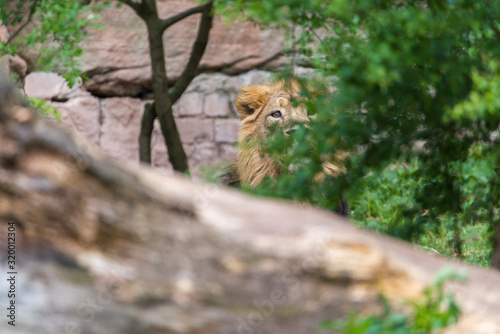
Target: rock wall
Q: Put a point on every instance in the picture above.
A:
(205, 114)
(108, 108)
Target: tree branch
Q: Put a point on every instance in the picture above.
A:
(30, 16)
(147, 125)
(495, 260)
(197, 51)
(136, 6)
(164, 24)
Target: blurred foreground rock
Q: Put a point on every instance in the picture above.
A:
(103, 248)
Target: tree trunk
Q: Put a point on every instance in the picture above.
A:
(457, 238)
(147, 124)
(157, 27)
(163, 105)
(495, 260)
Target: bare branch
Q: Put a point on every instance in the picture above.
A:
(197, 51)
(136, 6)
(147, 124)
(30, 16)
(164, 24)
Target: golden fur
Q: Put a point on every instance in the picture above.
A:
(256, 106)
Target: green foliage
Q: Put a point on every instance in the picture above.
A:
(436, 310)
(476, 245)
(59, 27)
(384, 201)
(417, 85)
(44, 108)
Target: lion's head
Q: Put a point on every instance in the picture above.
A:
(261, 108)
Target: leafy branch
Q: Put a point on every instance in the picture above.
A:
(33, 8)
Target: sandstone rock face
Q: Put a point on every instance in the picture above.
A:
(117, 58)
(4, 34)
(228, 152)
(14, 64)
(205, 114)
(107, 109)
(226, 130)
(82, 114)
(119, 133)
(189, 105)
(49, 86)
(216, 105)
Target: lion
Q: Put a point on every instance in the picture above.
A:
(261, 108)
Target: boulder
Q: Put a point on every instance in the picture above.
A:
(14, 65)
(49, 86)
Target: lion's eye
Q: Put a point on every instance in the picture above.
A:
(276, 114)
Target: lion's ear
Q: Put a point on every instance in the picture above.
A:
(251, 98)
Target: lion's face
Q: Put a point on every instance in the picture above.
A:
(261, 107)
